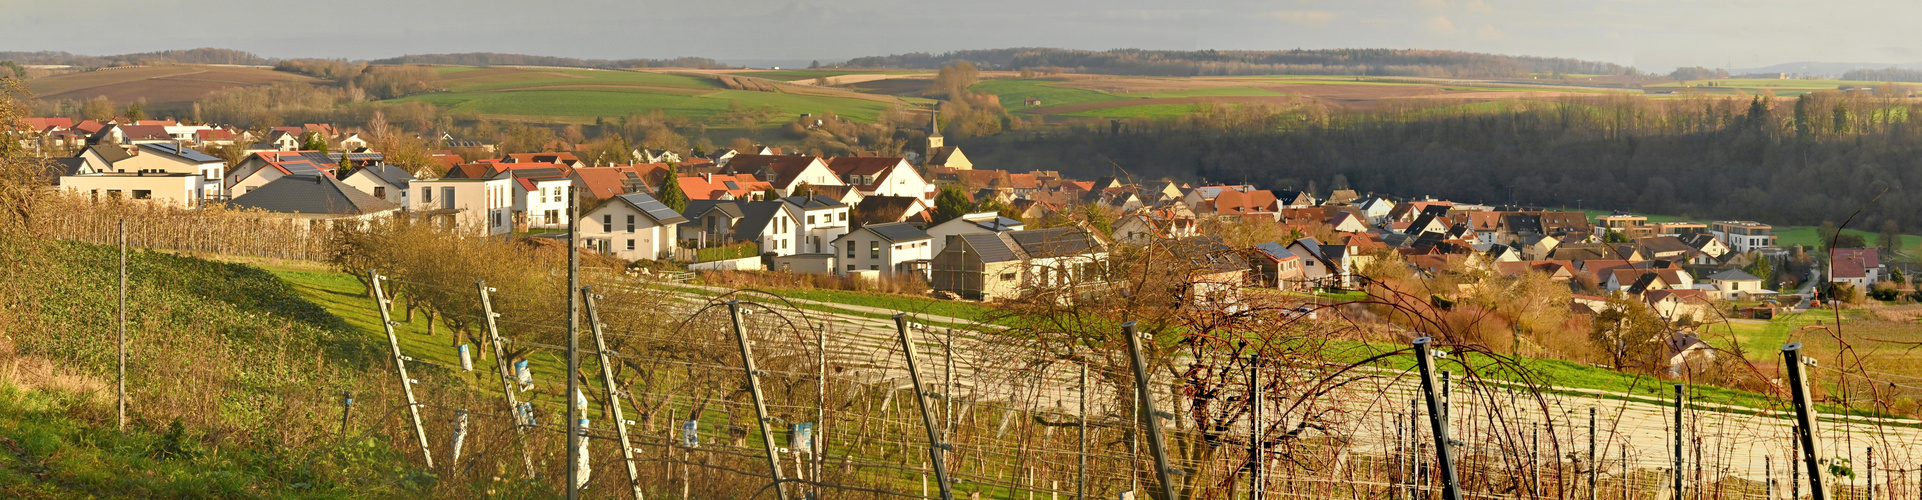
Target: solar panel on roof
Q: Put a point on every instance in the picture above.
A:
(731, 185)
(654, 208)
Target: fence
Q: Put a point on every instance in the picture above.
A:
(1020, 422)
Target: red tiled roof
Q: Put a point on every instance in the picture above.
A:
(603, 182)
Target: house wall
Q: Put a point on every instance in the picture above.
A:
(366, 183)
(483, 205)
(175, 190)
(806, 263)
(210, 173)
(902, 180)
(546, 204)
(890, 254)
(608, 229)
(819, 228)
(259, 178)
(957, 227)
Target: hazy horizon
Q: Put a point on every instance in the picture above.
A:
(1652, 36)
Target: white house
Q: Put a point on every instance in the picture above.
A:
(383, 181)
(784, 172)
(540, 196)
(878, 176)
(174, 158)
(977, 223)
(480, 206)
(633, 226)
(165, 189)
(314, 197)
(1375, 208)
(769, 224)
(822, 219)
(892, 249)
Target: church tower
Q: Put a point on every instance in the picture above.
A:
(934, 131)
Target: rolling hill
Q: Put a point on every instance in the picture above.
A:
(159, 85)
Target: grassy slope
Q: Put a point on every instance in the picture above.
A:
(55, 444)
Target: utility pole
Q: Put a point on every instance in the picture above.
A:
(820, 448)
(120, 384)
(1081, 445)
(382, 303)
(1804, 418)
(573, 347)
(936, 448)
(1256, 453)
(1594, 461)
(760, 405)
(1451, 488)
(521, 421)
(1678, 442)
(1156, 444)
(607, 389)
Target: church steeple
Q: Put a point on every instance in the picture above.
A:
(934, 130)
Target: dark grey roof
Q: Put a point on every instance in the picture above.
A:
(1313, 246)
(65, 166)
(654, 209)
(1273, 250)
(173, 149)
(396, 176)
(817, 201)
(537, 173)
(1055, 242)
(310, 194)
(750, 218)
(319, 157)
(111, 153)
(1523, 223)
(300, 167)
(897, 231)
(991, 247)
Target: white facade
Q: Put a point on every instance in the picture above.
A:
(1743, 236)
(820, 226)
(373, 185)
(546, 204)
(478, 205)
(174, 190)
(211, 173)
(618, 229)
(965, 224)
(863, 250)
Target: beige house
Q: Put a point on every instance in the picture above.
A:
(633, 226)
(987, 266)
(174, 190)
(480, 206)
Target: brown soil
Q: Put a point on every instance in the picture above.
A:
(1132, 85)
(1086, 106)
(658, 90)
(158, 84)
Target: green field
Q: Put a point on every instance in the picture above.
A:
(523, 79)
(1149, 111)
(619, 102)
(1209, 92)
(804, 74)
(1014, 92)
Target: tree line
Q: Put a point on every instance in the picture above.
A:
(498, 59)
(188, 56)
(1889, 74)
(1818, 158)
(1381, 62)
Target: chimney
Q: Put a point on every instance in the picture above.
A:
(709, 176)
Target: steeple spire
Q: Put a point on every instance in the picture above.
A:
(934, 129)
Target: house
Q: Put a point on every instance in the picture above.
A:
(1235, 201)
(1676, 303)
(607, 182)
(633, 226)
(102, 159)
(1275, 266)
(1671, 249)
(541, 197)
(173, 158)
(881, 176)
(313, 197)
(1348, 222)
(473, 205)
(382, 181)
(1742, 236)
(1375, 208)
(785, 173)
(656, 155)
(975, 223)
(1631, 226)
(1144, 226)
(1634, 281)
(889, 250)
(1213, 273)
(1005, 264)
(769, 224)
(1294, 199)
(1706, 244)
(131, 135)
(1688, 353)
(942, 155)
(1869, 260)
(822, 220)
(565, 161)
(1317, 269)
(1734, 284)
(1341, 197)
(164, 189)
(262, 167)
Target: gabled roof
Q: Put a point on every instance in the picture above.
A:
(1523, 223)
(784, 169)
(1868, 258)
(311, 194)
(897, 231)
(112, 154)
(813, 202)
(749, 218)
(653, 208)
(392, 175)
(1846, 268)
(990, 247)
(1275, 251)
(884, 209)
(1054, 242)
(602, 182)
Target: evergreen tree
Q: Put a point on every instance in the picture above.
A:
(670, 193)
(951, 203)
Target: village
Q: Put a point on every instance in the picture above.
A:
(956, 229)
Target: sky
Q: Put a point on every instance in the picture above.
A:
(1649, 34)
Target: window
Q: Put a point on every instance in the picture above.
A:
(607, 223)
(1007, 276)
(142, 194)
(630, 223)
(874, 268)
(497, 218)
(426, 195)
(447, 197)
(850, 252)
(114, 194)
(810, 220)
(630, 244)
(850, 267)
(844, 216)
(874, 249)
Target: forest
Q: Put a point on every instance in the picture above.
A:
(1890, 74)
(1820, 157)
(1373, 62)
(189, 56)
